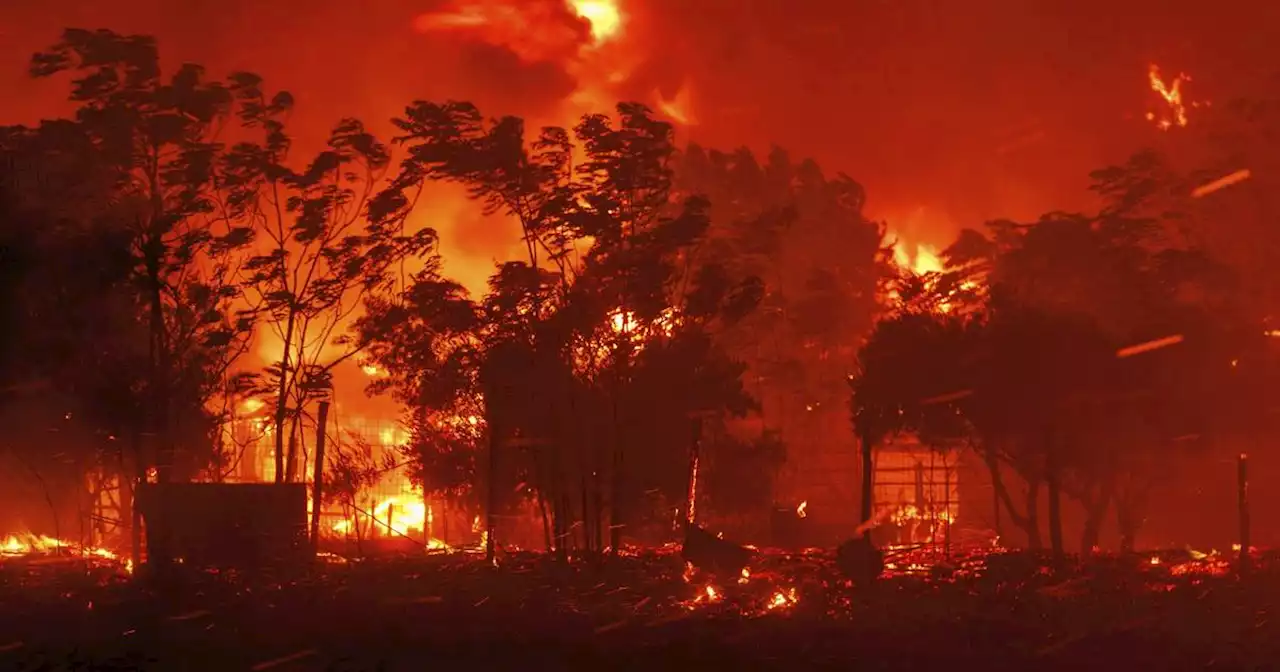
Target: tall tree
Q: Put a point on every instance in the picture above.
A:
(425, 343)
(565, 330)
(321, 250)
(157, 135)
(800, 242)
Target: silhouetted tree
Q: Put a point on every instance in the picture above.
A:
(426, 346)
(322, 249)
(799, 243)
(156, 137)
(567, 334)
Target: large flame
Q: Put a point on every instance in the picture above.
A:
(919, 258)
(604, 16)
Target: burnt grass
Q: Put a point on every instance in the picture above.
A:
(996, 612)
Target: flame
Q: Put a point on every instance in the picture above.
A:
(406, 515)
(782, 600)
(27, 544)
(604, 17)
(923, 260)
(693, 491)
(920, 259)
(1171, 94)
(800, 510)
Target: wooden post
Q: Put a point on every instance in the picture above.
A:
(1242, 489)
(317, 478)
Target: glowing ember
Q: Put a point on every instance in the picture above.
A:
(1149, 346)
(1171, 94)
(782, 600)
(693, 490)
(1221, 183)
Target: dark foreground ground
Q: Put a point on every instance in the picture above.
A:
(997, 612)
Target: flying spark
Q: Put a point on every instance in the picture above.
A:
(1149, 346)
(1221, 183)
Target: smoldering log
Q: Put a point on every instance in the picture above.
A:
(712, 554)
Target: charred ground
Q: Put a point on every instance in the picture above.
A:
(1001, 611)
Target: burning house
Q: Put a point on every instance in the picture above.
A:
(915, 492)
(370, 496)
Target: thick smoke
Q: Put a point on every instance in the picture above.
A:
(970, 110)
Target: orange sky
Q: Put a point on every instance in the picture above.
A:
(949, 113)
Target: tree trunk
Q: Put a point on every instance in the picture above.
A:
(491, 498)
(1034, 541)
(282, 396)
(1095, 514)
(1127, 520)
(689, 508)
(616, 506)
(1053, 479)
(1029, 523)
(135, 477)
(291, 457)
(868, 482)
(317, 479)
(444, 519)
(159, 553)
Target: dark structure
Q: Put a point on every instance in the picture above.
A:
(237, 525)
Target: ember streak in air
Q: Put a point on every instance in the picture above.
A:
(1149, 346)
(1221, 183)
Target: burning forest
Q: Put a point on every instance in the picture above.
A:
(700, 406)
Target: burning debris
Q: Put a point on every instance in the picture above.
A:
(1174, 108)
(1149, 346)
(1221, 183)
(38, 545)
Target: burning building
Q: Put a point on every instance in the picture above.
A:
(916, 489)
(370, 495)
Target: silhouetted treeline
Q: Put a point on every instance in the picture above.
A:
(665, 298)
